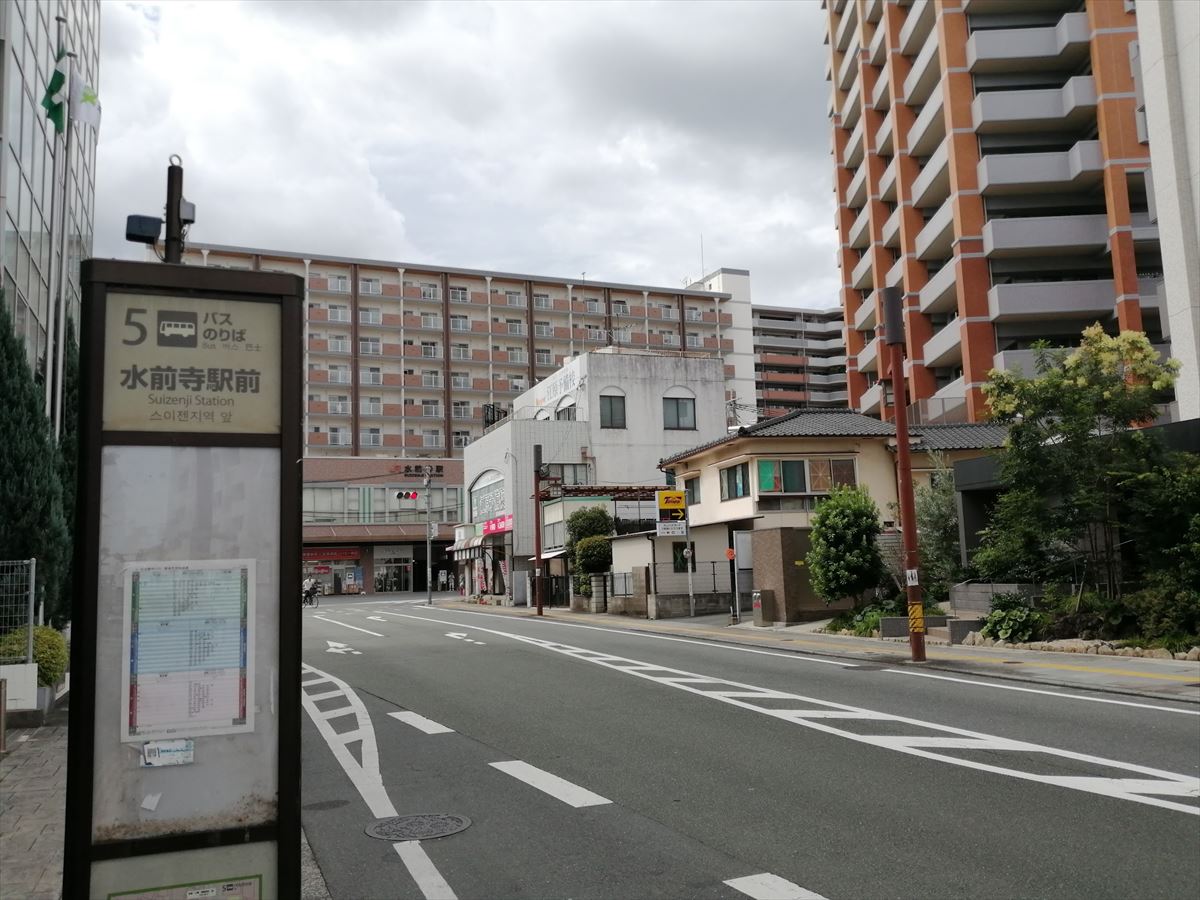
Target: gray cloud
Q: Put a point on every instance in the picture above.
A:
(548, 138)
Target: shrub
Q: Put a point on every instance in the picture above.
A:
(49, 652)
(594, 554)
(844, 560)
(1015, 625)
(1164, 610)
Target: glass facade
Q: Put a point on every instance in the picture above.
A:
(28, 41)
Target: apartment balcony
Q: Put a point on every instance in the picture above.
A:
(1053, 48)
(852, 105)
(871, 399)
(854, 145)
(918, 25)
(859, 234)
(868, 357)
(860, 278)
(1045, 236)
(847, 71)
(939, 294)
(880, 98)
(1024, 173)
(1070, 107)
(856, 193)
(885, 137)
(993, 7)
(1023, 361)
(932, 185)
(847, 27)
(891, 230)
(864, 317)
(874, 11)
(947, 406)
(877, 50)
(895, 275)
(1033, 301)
(930, 127)
(945, 347)
(887, 182)
(924, 75)
(936, 239)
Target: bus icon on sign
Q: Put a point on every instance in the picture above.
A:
(176, 328)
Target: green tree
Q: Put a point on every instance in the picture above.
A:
(1073, 454)
(593, 554)
(937, 532)
(31, 513)
(591, 521)
(845, 560)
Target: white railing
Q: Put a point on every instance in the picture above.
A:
(460, 382)
(517, 356)
(542, 301)
(431, 440)
(339, 314)
(543, 330)
(339, 407)
(431, 321)
(370, 409)
(339, 439)
(339, 346)
(516, 328)
(460, 353)
(462, 324)
(431, 381)
(370, 378)
(367, 439)
(369, 317)
(432, 410)
(370, 348)
(339, 376)
(431, 352)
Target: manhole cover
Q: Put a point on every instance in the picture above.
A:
(421, 827)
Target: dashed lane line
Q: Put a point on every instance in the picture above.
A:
(1149, 788)
(421, 723)
(558, 788)
(766, 886)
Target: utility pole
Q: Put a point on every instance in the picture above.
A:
(537, 527)
(893, 319)
(428, 541)
(174, 241)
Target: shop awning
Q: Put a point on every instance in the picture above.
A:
(465, 545)
(553, 553)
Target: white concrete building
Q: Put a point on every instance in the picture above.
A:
(1169, 51)
(605, 418)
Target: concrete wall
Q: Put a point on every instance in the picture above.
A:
(22, 685)
(776, 552)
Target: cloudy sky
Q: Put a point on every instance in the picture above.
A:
(549, 138)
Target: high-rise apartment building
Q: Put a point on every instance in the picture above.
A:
(28, 45)
(415, 361)
(990, 161)
(799, 359)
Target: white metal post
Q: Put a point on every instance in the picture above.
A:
(689, 555)
(32, 592)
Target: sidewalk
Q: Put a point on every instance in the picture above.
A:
(1158, 679)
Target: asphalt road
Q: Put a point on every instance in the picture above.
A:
(595, 763)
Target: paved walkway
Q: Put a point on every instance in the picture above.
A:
(33, 790)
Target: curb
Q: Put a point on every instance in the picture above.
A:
(889, 659)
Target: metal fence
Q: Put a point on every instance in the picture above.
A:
(17, 593)
(620, 584)
(707, 577)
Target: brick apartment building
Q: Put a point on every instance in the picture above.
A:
(991, 160)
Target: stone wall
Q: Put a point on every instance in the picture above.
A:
(676, 606)
(778, 566)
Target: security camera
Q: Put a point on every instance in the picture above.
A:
(187, 212)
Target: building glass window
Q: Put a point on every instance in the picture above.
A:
(691, 489)
(679, 413)
(735, 482)
(612, 412)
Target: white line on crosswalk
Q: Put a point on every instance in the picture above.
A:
(766, 886)
(559, 788)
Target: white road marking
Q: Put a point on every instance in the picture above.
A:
(377, 618)
(369, 783)
(338, 647)
(771, 887)
(420, 722)
(423, 871)
(1159, 782)
(1026, 690)
(344, 625)
(798, 657)
(559, 788)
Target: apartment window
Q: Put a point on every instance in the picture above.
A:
(621, 335)
(339, 283)
(431, 437)
(370, 316)
(369, 286)
(339, 344)
(693, 340)
(339, 374)
(542, 301)
(461, 409)
(612, 412)
(514, 298)
(430, 350)
(782, 476)
(339, 437)
(679, 413)
(460, 380)
(620, 308)
(431, 379)
(370, 346)
(339, 313)
(565, 412)
(460, 351)
(460, 323)
(593, 306)
(570, 473)
(462, 438)
(429, 320)
(670, 312)
(372, 437)
(371, 406)
(543, 357)
(691, 490)
(543, 329)
(670, 339)
(339, 406)
(735, 481)
(517, 355)
(594, 333)
(371, 375)
(515, 326)
(430, 291)
(693, 315)
(459, 295)
(518, 384)
(431, 408)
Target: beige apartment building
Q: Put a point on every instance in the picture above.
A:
(990, 160)
(416, 361)
(799, 359)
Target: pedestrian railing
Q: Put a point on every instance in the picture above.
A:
(18, 578)
(708, 577)
(620, 584)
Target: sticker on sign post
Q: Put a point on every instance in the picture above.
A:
(910, 577)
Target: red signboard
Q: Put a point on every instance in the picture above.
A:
(315, 553)
(498, 525)
(322, 570)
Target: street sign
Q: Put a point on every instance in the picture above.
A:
(671, 499)
(672, 529)
(672, 515)
(730, 553)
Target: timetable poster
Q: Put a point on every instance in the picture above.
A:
(189, 639)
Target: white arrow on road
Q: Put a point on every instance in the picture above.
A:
(461, 636)
(335, 647)
(377, 618)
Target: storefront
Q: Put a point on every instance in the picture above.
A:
(393, 567)
(338, 570)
